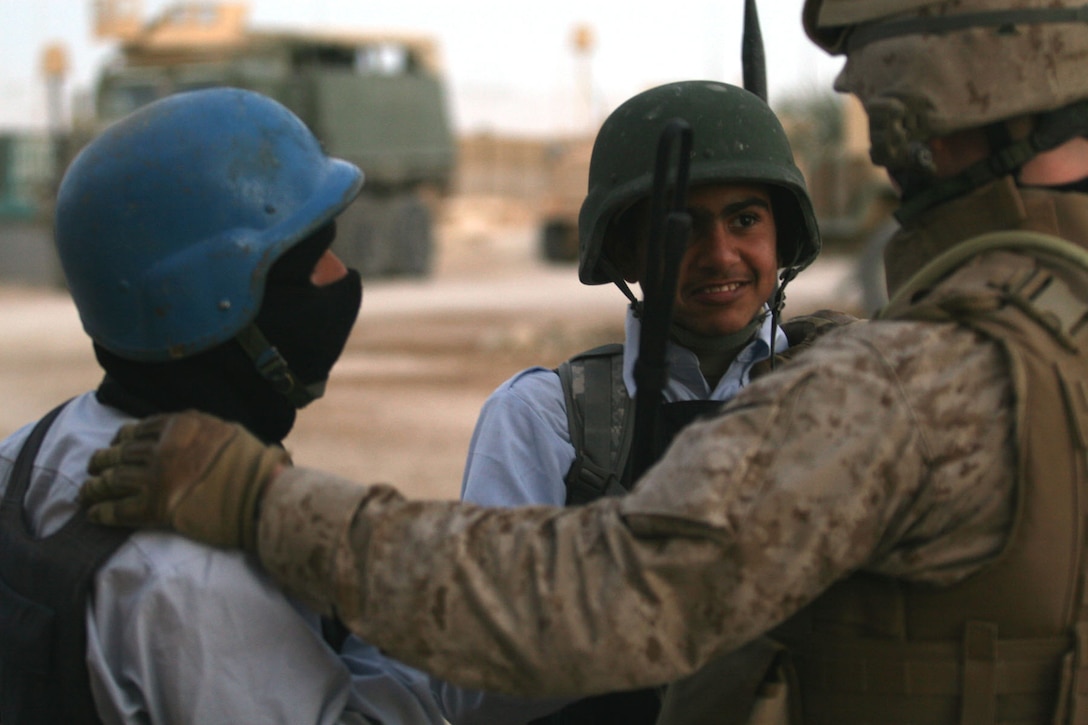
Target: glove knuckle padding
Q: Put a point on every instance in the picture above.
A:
(126, 433)
(92, 489)
(190, 472)
(101, 460)
(103, 513)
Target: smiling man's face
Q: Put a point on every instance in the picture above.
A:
(729, 269)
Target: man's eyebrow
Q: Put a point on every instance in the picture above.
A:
(732, 208)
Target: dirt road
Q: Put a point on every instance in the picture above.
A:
(402, 402)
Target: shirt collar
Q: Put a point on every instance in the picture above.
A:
(685, 381)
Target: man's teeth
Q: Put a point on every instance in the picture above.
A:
(729, 287)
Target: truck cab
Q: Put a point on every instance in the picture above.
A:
(377, 100)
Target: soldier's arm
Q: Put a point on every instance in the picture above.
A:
(810, 474)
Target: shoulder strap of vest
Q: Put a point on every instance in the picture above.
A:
(1013, 241)
(598, 418)
(44, 584)
(1038, 313)
(801, 332)
(12, 503)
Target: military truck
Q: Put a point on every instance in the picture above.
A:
(377, 100)
(28, 163)
(567, 169)
(26, 172)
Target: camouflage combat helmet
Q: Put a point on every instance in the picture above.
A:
(736, 139)
(924, 68)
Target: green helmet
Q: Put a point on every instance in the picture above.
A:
(736, 139)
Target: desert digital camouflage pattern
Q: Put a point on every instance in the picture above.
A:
(937, 79)
(814, 472)
(889, 448)
(900, 449)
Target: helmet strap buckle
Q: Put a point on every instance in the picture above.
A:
(273, 367)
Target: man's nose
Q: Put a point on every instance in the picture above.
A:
(716, 244)
(328, 269)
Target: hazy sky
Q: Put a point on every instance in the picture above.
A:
(510, 63)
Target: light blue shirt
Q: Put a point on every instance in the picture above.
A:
(520, 454)
(178, 632)
(520, 451)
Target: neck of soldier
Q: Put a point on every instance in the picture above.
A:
(716, 352)
(1034, 201)
(1063, 164)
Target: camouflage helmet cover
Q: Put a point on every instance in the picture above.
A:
(924, 68)
(736, 139)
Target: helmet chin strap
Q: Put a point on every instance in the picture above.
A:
(1051, 130)
(606, 266)
(274, 368)
(777, 302)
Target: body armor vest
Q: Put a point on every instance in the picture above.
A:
(44, 584)
(1009, 644)
(600, 418)
(600, 414)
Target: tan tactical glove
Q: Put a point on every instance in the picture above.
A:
(189, 472)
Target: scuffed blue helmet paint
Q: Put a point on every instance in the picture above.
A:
(168, 222)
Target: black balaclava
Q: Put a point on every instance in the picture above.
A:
(308, 325)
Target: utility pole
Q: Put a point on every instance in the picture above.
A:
(54, 66)
(583, 42)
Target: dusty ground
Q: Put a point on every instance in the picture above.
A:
(424, 355)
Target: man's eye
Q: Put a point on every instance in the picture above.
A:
(745, 220)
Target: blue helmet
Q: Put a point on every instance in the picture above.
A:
(168, 222)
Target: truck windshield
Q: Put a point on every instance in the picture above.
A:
(122, 99)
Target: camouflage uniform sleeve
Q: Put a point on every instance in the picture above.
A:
(851, 458)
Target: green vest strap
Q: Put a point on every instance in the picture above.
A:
(599, 422)
(1014, 241)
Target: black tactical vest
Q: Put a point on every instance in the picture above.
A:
(600, 414)
(44, 584)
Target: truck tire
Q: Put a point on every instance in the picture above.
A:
(559, 241)
(412, 238)
(359, 237)
(386, 236)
